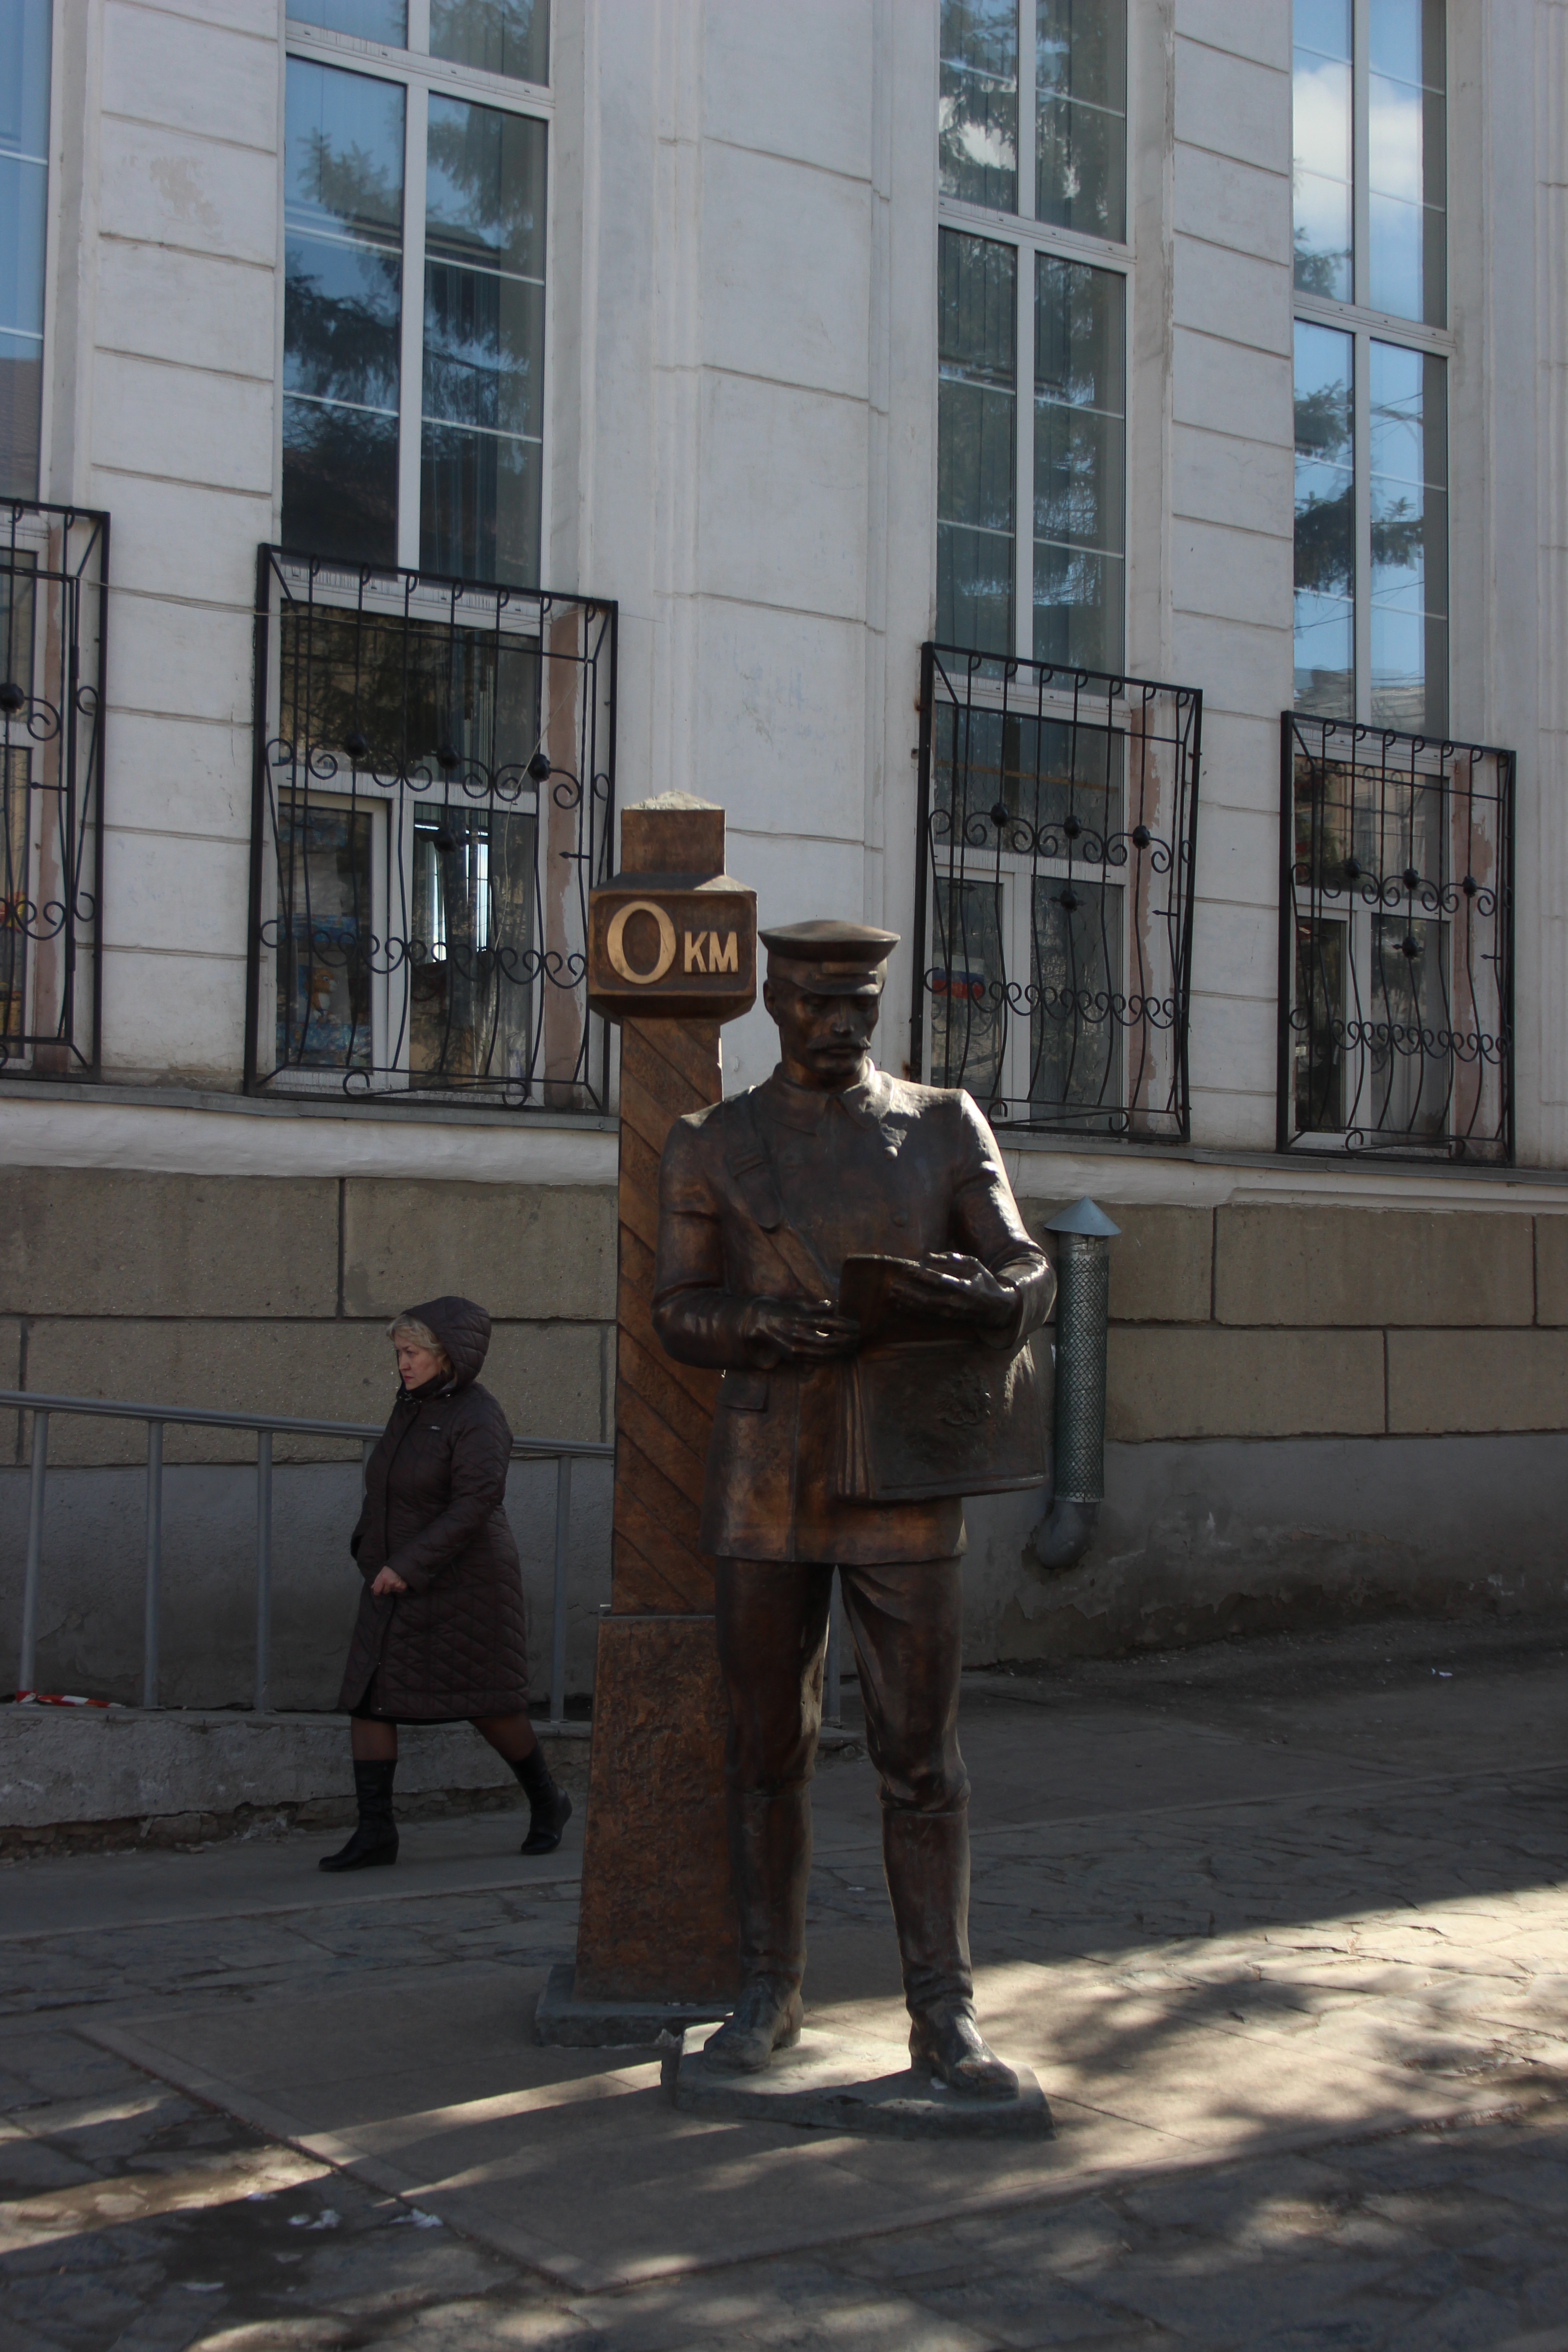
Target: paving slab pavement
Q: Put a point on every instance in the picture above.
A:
(1281, 1926)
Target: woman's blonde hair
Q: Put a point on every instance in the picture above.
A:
(409, 1327)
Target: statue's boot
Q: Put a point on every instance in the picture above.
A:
(947, 2044)
(767, 2017)
(927, 1860)
(770, 1861)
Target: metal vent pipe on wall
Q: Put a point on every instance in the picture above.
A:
(1084, 1235)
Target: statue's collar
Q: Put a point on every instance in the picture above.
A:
(805, 1108)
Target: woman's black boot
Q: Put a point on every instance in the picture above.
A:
(375, 1839)
(550, 1808)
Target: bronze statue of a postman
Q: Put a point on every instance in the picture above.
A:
(847, 1247)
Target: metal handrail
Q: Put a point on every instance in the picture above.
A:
(563, 1452)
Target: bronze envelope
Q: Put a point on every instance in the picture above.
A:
(922, 1415)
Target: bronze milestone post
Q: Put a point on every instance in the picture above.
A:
(671, 954)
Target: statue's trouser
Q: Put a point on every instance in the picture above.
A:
(906, 1621)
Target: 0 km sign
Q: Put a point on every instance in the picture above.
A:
(669, 953)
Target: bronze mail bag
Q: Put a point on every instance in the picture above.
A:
(920, 1416)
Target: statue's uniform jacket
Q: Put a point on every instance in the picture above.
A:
(887, 1167)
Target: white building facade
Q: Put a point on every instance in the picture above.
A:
(1067, 476)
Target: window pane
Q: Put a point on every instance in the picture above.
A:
(484, 201)
(1407, 39)
(968, 1017)
(25, 79)
(323, 936)
(367, 20)
(340, 481)
(1408, 484)
(1325, 523)
(413, 689)
(1077, 994)
(479, 505)
(500, 37)
(1407, 161)
(1323, 25)
(976, 441)
(342, 321)
(1080, 95)
(471, 984)
(343, 154)
(978, 140)
(19, 616)
(24, 190)
(1322, 113)
(343, 262)
(1080, 526)
(1317, 1026)
(484, 343)
(1411, 1069)
(1043, 772)
(15, 892)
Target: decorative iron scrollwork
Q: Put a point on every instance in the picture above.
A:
(434, 799)
(1396, 1016)
(53, 576)
(1057, 826)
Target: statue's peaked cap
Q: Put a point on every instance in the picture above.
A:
(830, 959)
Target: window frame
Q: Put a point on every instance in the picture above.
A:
(392, 849)
(1366, 326)
(1029, 237)
(53, 155)
(422, 77)
(1150, 861)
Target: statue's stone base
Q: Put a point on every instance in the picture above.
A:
(829, 2083)
(574, 2023)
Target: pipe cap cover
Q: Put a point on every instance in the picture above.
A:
(1084, 1216)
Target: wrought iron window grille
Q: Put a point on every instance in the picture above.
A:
(1395, 943)
(54, 575)
(1054, 894)
(434, 798)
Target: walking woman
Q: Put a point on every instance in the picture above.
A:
(439, 1637)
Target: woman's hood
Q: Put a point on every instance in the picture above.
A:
(463, 1329)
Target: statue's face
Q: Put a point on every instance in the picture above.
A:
(824, 1038)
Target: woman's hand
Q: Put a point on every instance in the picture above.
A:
(386, 1582)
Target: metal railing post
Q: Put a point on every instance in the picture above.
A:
(832, 1671)
(154, 1563)
(265, 1427)
(27, 1666)
(264, 1572)
(558, 1621)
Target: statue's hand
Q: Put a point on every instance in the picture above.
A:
(952, 1288)
(800, 1331)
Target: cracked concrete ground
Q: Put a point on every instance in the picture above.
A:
(1282, 1927)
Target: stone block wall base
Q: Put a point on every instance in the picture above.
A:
(75, 1781)
(184, 1832)
(565, 2022)
(657, 1923)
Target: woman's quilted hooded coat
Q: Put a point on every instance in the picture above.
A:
(453, 1645)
